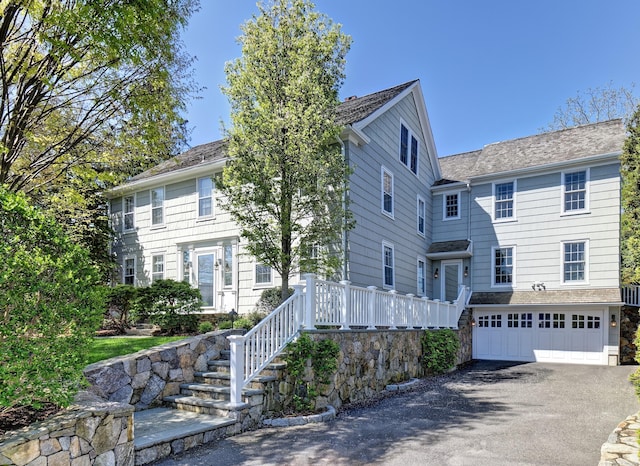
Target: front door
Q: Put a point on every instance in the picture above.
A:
(205, 274)
(451, 279)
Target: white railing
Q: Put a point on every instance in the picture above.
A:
(333, 304)
(631, 295)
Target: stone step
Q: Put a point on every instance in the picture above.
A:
(217, 392)
(219, 365)
(223, 379)
(160, 432)
(200, 406)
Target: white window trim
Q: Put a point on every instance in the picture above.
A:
(424, 278)
(587, 188)
(444, 205)
(514, 217)
(411, 134)
(233, 266)
(261, 285)
(384, 170)
(164, 213)
(513, 266)
(424, 216)
(164, 265)
(213, 206)
(386, 244)
(135, 270)
(124, 229)
(586, 263)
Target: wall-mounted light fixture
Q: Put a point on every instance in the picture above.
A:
(466, 271)
(473, 321)
(435, 274)
(613, 320)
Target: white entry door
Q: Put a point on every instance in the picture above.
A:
(205, 276)
(451, 279)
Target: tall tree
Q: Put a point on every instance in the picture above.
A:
(594, 105)
(91, 92)
(285, 181)
(630, 222)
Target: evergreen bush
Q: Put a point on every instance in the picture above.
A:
(439, 350)
(170, 304)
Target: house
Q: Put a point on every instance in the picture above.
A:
(530, 225)
(168, 223)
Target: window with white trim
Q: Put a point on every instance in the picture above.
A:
(422, 278)
(157, 206)
(228, 265)
(503, 266)
(408, 149)
(504, 194)
(421, 206)
(128, 212)
(574, 261)
(387, 192)
(451, 206)
(263, 274)
(205, 197)
(574, 191)
(129, 271)
(157, 267)
(388, 275)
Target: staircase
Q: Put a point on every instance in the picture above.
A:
(202, 412)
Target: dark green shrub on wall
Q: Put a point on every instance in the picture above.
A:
(50, 307)
(170, 304)
(439, 350)
(635, 377)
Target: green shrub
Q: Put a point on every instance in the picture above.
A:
(51, 306)
(635, 376)
(205, 327)
(224, 325)
(120, 301)
(439, 350)
(244, 323)
(270, 299)
(171, 305)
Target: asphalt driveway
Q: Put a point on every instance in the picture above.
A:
(490, 413)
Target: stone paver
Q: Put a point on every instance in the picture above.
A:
(490, 413)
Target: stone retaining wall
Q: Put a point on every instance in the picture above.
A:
(90, 432)
(621, 448)
(142, 379)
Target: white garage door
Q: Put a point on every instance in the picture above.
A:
(563, 336)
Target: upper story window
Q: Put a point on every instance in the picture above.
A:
(421, 216)
(387, 192)
(205, 197)
(574, 187)
(504, 194)
(451, 206)
(574, 261)
(408, 149)
(263, 274)
(387, 266)
(128, 209)
(129, 271)
(503, 266)
(157, 267)
(157, 206)
(422, 278)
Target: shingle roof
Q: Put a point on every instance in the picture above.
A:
(533, 151)
(348, 112)
(449, 246)
(586, 296)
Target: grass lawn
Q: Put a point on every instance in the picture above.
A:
(105, 348)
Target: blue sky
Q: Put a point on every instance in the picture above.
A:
(490, 70)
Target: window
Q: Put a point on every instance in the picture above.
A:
(450, 206)
(205, 197)
(186, 266)
(496, 320)
(128, 209)
(422, 278)
(503, 260)
(157, 267)
(421, 215)
(157, 206)
(503, 194)
(129, 271)
(558, 320)
(387, 192)
(575, 191)
(263, 274)
(387, 264)
(228, 265)
(574, 261)
(408, 149)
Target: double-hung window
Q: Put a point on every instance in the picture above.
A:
(422, 278)
(388, 274)
(503, 266)
(157, 267)
(129, 271)
(387, 192)
(408, 149)
(574, 261)
(263, 274)
(128, 210)
(205, 197)
(421, 216)
(504, 194)
(451, 206)
(157, 206)
(574, 186)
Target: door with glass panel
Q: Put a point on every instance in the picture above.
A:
(451, 279)
(205, 276)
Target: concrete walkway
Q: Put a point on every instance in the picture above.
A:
(491, 413)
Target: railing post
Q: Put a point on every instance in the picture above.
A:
(236, 369)
(394, 304)
(436, 323)
(298, 307)
(410, 311)
(309, 321)
(346, 305)
(424, 321)
(371, 307)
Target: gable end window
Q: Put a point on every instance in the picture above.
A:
(421, 216)
(387, 192)
(408, 149)
(503, 266)
(388, 274)
(504, 195)
(205, 197)
(451, 206)
(157, 206)
(574, 261)
(574, 186)
(128, 209)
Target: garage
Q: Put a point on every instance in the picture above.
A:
(547, 335)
